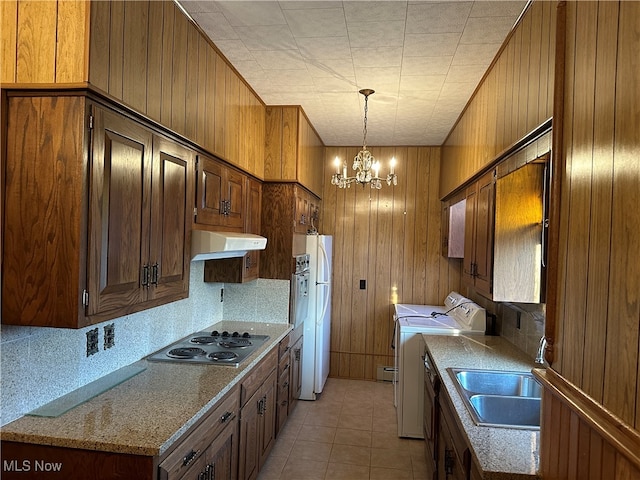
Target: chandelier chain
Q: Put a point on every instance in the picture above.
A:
(364, 129)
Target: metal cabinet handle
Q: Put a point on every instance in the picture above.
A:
(190, 457)
(154, 274)
(145, 276)
(449, 461)
(226, 416)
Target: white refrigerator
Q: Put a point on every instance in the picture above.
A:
(317, 326)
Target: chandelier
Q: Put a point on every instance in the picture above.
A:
(365, 166)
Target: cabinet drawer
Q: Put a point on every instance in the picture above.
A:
(255, 379)
(190, 451)
(457, 437)
(284, 346)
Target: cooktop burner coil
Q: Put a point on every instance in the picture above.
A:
(222, 356)
(235, 343)
(185, 352)
(204, 340)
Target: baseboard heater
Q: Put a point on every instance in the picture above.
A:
(386, 374)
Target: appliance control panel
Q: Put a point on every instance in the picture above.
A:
(302, 262)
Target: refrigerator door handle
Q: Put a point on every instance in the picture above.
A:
(325, 262)
(324, 307)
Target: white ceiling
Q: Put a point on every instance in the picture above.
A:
(423, 59)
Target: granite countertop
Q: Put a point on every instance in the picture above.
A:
(501, 453)
(146, 414)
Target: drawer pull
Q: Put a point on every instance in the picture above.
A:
(226, 416)
(190, 457)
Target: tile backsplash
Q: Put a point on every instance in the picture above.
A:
(40, 364)
(525, 333)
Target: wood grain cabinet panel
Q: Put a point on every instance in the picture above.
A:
(293, 149)
(478, 241)
(246, 268)
(45, 212)
(118, 222)
(220, 195)
(138, 244)
(285, 212)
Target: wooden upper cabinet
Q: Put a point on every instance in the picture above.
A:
(477, 266)
(139, 241)
(246, 268)
(108, 233)
(293, 150)
(220, 195)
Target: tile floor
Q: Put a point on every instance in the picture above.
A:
(349, 433)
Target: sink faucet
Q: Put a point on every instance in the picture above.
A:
(540, 356)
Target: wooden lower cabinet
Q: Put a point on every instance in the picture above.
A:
(296, 371)
(258, 416)
(454, 460)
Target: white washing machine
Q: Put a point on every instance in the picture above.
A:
(458, 316)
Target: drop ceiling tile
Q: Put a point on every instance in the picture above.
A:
(376, 34)
(281, 60)
(486, 30)
(216, 26)
(465, 73)
(431, 44)
(497, 9)
(375, 11)
(294, 5)
(456, 91)
(475, 54)
(445, 17)
(199, 6)
(426, 65)
(234, 50)
(324, 47)
(333, 84)
(272, 37)
(419, 83)
(297, 78)
(320, 22)
(338, 67)
(377, 57)
(247, 13)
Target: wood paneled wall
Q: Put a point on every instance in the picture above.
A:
(598, 335)
(391, 239)
(515, 97)
(146, 54)
(44, 42)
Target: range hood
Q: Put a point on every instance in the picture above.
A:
(206, 245)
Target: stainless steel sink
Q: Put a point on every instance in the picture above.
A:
(514, 412)
(492, 382)
(500, 398)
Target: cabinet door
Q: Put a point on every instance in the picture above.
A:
(249, 437)
(209, 192)
(119, 212)
(296, 374)
(268, 420)
(234, 193)
(223, 454)
(468, 263)
(172, 193)
(484, 234)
